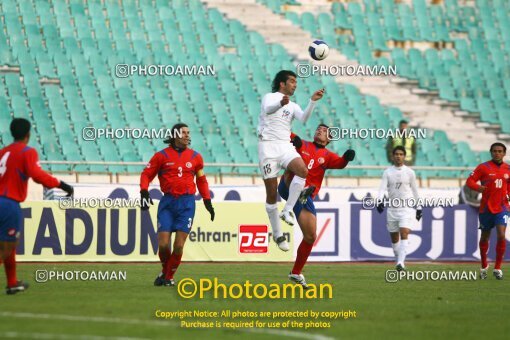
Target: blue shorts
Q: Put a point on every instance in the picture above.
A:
(283, 190)
(488, 220)
(176, 213)
(10, 219)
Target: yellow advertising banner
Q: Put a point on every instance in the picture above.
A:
(50, 233)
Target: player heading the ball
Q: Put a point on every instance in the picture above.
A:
(18, 163)
(399, 181)
(494, 176)
(277, 112)
(176, 167)
(318, 159)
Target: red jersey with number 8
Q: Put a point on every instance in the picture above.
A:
(318, 160)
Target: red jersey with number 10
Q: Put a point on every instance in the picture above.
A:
(496, 179)
(18, 163)
(176, 171)
(318, 160)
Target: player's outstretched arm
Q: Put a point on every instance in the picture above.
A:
(337, 162)
(67, 188)
(317, 95)
(203, 189)
(303, 116)
(146, 177)
(472, 180)
(203, 186)
(34, 170)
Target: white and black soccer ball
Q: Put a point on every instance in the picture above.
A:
(318, 50)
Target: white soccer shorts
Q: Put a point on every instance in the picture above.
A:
(274, 156)
(400, 218)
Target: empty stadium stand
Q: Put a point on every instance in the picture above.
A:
(58, 63)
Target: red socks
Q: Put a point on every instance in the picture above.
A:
(500, 253)
(484, 246)
(10, 269)
(163, 257)
(171, 266)
(303, 252)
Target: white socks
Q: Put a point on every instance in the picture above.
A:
(402, 252)
(396, 247)
(296, 186)
(274, 219)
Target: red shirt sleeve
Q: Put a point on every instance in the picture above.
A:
(33, 170)
(475, 176)
(202, 185)
(200, 163)
(150, 171)
(336, 162)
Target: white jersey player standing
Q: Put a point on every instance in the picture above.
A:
(400, 183)
(276, 151)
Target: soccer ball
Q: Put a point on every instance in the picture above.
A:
(319, 50)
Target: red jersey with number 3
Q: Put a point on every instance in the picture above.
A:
(18, 163)
(175, 169)
(318, 160)
(496, 179)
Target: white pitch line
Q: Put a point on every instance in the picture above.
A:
(23, 335)
(86, 318)
(285, 333)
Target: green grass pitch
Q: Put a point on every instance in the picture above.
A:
(126, 309)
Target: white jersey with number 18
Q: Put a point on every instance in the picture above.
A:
(275, 120)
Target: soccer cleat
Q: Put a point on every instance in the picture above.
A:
(169, 283)
(160, 280)
(400, 267)
(498, 274)
(306, 193)
(299, 279)
(288, 217)
(483, 273)
(282, 243)
(20, 287)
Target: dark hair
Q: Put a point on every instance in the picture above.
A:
(175, 130)
(399, 147)
(20, 128)
(498, 144)
(403, 121)
(281, 77)
(327, 127)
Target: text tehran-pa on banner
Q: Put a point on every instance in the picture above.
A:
(345, 232)
(127, 234)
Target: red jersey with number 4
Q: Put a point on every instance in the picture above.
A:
(496, 179)
(18, 163)
(318, 160)
(175, 169)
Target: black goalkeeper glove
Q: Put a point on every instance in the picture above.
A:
(380, 208)
(67, 188)
(209, 207)
(145, 200)
(419, 214)
(297, 142)
(349, 155)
